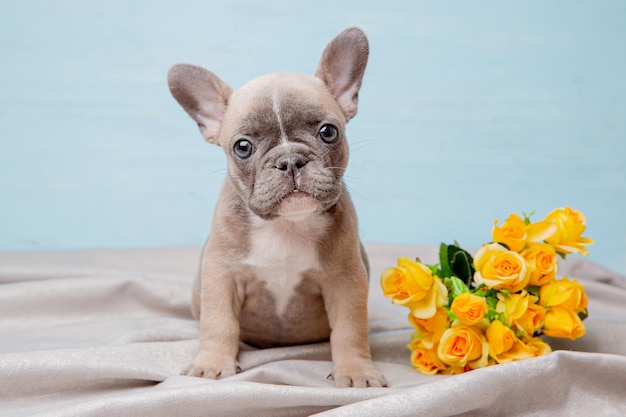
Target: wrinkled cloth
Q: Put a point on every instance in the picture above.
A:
(108, 332)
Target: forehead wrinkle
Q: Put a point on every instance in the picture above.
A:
(298, 112)
(260, 121)
(281, 107)
(281, 118)
(277, 111)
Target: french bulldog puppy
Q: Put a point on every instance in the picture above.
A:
(283, 264)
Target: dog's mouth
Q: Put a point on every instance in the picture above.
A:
(298, 205)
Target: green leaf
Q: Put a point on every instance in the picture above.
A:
(527, 217)
(461, 263)
(493, 315)
(583, 315)
(520, 334)
(491, 302)
(533, 289)
(457, 287)
(446, 271)
(481, 290)
(434, 269)
(451, 316)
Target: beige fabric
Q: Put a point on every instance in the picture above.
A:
(106, 333)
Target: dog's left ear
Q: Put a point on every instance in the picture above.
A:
(342, 67)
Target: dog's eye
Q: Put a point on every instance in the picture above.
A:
(243, 149)
(328, 133)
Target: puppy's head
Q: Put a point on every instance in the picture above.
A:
(283, 133)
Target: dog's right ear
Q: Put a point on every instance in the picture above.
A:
(203, 95)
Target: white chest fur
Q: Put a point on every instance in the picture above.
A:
(281, 250)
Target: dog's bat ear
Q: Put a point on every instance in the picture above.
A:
(342, 67)
(203, 95)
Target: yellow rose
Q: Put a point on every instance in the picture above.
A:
(469, 309)
(569, 295)
(513, 306)
(570, 226)
(541, 259)
(413, 285)
(499, 337)
(504, 346)
(463, 348)
(532, 320)
(424, 355)
(515, 233)
(560, 322)
(430, 325)
(499, 268)
(512, 233)
(540, 231)
(538, 346)
(521, 311)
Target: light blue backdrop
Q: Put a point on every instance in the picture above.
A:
(470, 110)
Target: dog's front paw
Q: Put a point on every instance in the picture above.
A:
(213, 365)
(357, 375)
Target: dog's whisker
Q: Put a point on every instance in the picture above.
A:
(220, 171)
(355, 146)
(353, 191)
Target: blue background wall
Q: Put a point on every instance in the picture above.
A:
(469, 111)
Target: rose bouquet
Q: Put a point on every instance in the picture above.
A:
(471, 312)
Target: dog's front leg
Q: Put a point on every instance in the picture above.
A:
(220, 305)
(345, 298)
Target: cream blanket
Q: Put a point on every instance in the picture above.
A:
(107, 332)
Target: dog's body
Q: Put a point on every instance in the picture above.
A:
(283, 263)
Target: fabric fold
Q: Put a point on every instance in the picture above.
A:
(108, 332)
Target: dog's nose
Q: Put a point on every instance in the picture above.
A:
(290, 164)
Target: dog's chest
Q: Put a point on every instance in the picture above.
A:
(281, 251)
